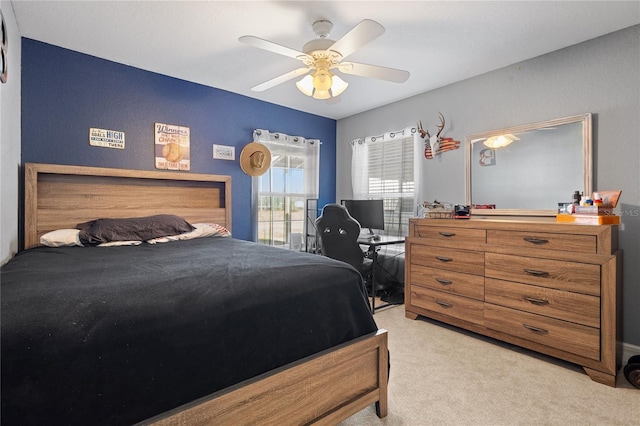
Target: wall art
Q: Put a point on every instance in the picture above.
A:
(172, 147)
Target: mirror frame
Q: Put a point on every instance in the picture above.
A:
(587, 161)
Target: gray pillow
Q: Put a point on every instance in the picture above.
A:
(132, 229)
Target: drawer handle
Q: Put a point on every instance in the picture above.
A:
(536, 273)
(535, 240)
(444, 304)
(443, 281)
(447, 234)
(536, 301)
(444, 259)
(535, 329)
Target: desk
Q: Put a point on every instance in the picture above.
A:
(384, 240)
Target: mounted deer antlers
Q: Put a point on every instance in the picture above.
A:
(422, 131)
(435, 144)
(441, 126)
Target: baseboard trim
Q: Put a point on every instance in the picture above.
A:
(629, 350)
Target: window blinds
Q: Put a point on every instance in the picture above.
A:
(386, 167)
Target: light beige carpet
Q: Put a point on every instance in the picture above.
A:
(441, 375)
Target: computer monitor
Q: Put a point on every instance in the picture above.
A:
(369, 213)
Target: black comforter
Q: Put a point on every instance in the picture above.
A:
(94, 335)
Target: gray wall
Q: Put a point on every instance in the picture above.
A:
(601, 76)
(9, 139)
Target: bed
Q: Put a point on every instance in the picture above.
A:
(201, 331)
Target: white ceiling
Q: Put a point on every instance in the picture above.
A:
(439, 42)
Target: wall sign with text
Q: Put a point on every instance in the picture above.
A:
(172, 147)
(106, 138)
(224, 152)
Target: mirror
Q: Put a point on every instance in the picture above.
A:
(527, 170)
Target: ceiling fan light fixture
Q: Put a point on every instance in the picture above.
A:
(322, 85)
(338, 86)
(306, 85)
(322, 80)
(321, 94)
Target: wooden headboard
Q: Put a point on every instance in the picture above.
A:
(59, 196)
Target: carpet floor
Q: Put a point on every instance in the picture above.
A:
(442, 375)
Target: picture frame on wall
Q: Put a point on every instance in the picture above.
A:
(172, 147)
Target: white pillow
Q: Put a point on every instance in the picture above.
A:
(119, 243)
(61, 238)
(163, 239)
(205, 230)
(202, 230)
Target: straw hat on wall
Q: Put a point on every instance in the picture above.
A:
(255, 159)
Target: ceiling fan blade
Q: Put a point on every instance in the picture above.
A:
(272, 47)
(281, 79)
(363, 33)
(374, 71)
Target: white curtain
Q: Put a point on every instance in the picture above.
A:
(359, 169)
(279, 196)
(309, 149)
(418, 168)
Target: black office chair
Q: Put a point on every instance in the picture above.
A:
(338, 234)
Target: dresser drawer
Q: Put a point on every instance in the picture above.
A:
(561, 275)
(469, 262)
(461, 235)
(566, 336)
(579, 308)
(451, 282)
(448, 304)
(543, 240)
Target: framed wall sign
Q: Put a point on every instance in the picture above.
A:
(106, 138)
(224, 152)
(172, 147)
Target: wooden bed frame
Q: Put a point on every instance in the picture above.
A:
(322, 389)
(58, 197)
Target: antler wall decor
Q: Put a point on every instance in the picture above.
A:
(434, 145)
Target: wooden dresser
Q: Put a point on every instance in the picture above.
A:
(549, 287)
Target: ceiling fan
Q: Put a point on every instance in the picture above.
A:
(322, 56)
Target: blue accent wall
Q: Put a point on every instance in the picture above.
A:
(65, 93)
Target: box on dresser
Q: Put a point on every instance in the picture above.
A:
(549, 287)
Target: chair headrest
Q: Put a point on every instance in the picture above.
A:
(337, 216)
(339, 232)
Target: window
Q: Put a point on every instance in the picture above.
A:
(280, 194)
(383, 167)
